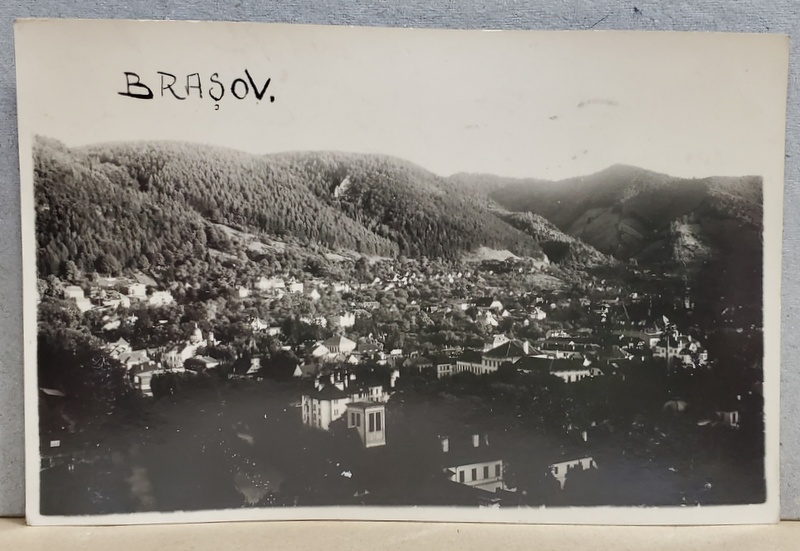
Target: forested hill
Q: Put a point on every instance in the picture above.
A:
(134, 204)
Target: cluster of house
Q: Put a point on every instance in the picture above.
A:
(571, 358)
(143, 364)
(277, 287)
(108, 294)
(466, 461)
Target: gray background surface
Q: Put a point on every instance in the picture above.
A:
(778, 16)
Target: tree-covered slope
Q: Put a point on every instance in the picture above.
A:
(134, 204)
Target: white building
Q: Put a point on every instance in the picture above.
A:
(561, 469)
(136, 290)
(473, 463)
(74, 292)
(346, 320)
(340, 345)
(369, 420)
(161, 298)
(324, 405)
(177, 355)
(497, 340)
(270, 284)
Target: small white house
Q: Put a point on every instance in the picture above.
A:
(161, 298)
(561, 469)
(369, 420)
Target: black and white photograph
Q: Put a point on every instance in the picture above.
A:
(299, 272)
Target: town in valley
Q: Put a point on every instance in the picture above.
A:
(267, 369)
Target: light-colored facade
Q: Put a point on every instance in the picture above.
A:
(369, 419)
(161, 298)
(561, 469)
(136, 290)
(340, 345)
(322, 407)
(175, 358)
(474, 466)
(486, 475)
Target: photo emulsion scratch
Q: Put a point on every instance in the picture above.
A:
(272, 289)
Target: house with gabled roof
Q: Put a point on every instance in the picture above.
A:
(488, 303)
(340, 345)
(508, 352)
(471, 461)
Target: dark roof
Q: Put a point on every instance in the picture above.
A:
(462, 452)
(530, 363)
(507, 350)
(484, 302)
(329, 392)
(470, 356)
(337, 341)
(368, 347)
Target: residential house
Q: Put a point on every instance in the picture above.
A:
(243, 292)
(487, 319)
(203, 363)
(319, 351)
(472, 462)
(314, 294)
(115, 349)
(134, 358)
(330, 398)
(270, 284)
(561, 469)
(368, 349)
(74, 292)
(538, 314)
(136, 290)
(497, 340)
(257, 325)
(295, 287)
(508, 352)
(345, 320)
(161, 298)
(340, 287)
(322, 406)
(484, 304)
(177, 355)
(340, 345)
(115, 300)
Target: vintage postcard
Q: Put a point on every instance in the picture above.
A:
(308, 272)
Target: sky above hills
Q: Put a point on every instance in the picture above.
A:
(546, 105)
